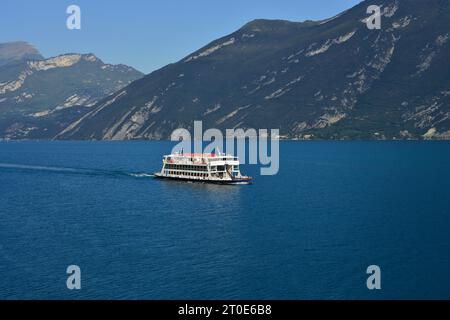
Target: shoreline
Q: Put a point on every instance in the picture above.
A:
(288, 140)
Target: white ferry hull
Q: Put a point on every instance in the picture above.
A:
(214, 168)
(237, 181)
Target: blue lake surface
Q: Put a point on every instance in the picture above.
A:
(308, 232)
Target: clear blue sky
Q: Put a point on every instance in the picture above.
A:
(146, 34)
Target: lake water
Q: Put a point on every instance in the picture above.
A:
(308, 232)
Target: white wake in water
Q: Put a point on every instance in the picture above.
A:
(141, 175)
(40, 168)
(90, 172)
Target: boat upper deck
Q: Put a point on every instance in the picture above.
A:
(201, 159)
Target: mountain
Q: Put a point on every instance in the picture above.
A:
(330, 79)
(12, 52)
(39, 98)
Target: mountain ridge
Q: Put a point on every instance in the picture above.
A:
(309, 79)
(328, 79)
(40, 97)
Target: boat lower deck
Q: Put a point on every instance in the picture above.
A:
(243, 180)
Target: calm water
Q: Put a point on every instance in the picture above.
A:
(308, 232)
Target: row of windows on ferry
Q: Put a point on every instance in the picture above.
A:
(186, 173)
(185, 167)
(197, 168)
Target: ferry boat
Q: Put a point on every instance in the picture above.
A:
(203, 167)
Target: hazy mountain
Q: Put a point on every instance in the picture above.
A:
(333, 79)
(12, 52)
(39, 98)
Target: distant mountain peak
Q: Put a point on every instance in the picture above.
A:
(11, 52)
(40, 97)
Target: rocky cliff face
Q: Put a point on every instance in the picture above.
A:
(39, 98)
